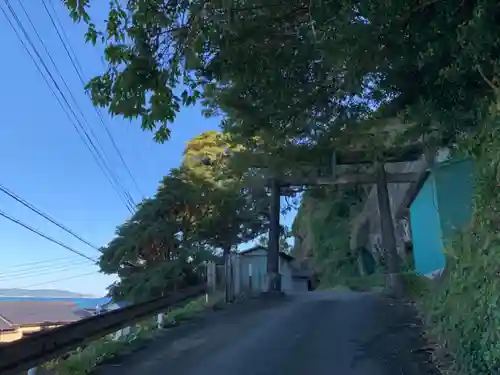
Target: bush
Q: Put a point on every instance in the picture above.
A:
(414, 286)
(366, 283)
(462, 310)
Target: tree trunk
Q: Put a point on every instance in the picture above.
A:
(227, 275)
(387, 228)
(273, 275)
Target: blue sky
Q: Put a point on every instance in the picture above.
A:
(43, 160)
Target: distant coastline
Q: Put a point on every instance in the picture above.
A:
(45, 293)
(51, 295)
(83, 303)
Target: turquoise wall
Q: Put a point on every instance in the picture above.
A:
(443, 206)
(455, 190)
(426, 230)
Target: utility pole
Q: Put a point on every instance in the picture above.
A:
(274, 277)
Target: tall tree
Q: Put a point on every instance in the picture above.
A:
(234, 215)
(155, 251)
(198, 209)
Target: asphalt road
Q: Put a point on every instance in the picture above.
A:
(314, 333)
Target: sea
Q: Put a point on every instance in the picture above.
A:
(83, 303)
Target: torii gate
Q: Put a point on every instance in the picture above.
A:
(379, 177)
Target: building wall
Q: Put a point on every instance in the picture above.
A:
(455, 189)
(366, 231)
(256, 263)
(442, 207)
(9, 336)
(19, 332)
(426, 230)
(286, 275)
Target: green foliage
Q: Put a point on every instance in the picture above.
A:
(284, 244)
(85, 360)
(462, 308)
(193, 308)
(462, 311)
(329, 66)
(324, 217)
(199, 208)
(368, 283)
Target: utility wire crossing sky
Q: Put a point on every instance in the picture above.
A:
(64, 156)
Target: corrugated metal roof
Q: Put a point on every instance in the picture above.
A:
(252, 249)
(27, 313)
(258, 247)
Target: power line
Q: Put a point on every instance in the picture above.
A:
(78, 125)
(58, 20)
(102, 157)
(82, 136)
(50, 270)
(57, 280)
(31, 229)
(25, 267)
(45, 216)
(43, 272)
(79, 71)
(21, 265)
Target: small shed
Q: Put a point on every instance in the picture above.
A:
(441, 206)
(301, 277)
(253, 271)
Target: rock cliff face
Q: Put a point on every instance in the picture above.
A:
(321, 231)
(301, 229)
(365, 229)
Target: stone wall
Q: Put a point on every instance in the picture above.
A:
(366, 229)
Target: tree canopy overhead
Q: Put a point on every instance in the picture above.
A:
(299, 71)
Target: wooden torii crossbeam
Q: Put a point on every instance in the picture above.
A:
(379, 177)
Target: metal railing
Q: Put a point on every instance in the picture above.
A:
(39, 348)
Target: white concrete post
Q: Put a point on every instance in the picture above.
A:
(250, 286)
(118, 335)
(159, 320)
(32, 371)
(126, 331)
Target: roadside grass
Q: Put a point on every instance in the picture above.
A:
(374, 283)
(414, 286)
(85, 360)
